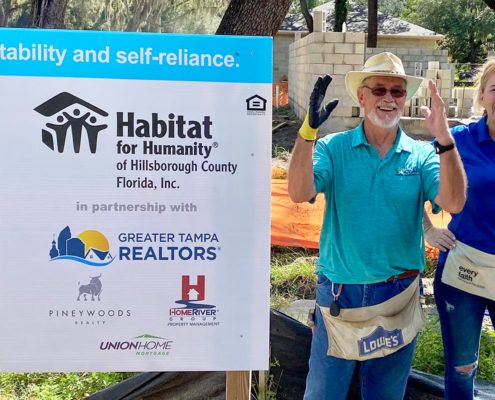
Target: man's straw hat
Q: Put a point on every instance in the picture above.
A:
(382, 64)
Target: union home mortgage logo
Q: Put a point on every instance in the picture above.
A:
(69, 113)
(379, 339)
(88, 247)
(256, 105)
(144, 345)
(194, 312)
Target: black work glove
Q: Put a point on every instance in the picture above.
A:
(317, 114)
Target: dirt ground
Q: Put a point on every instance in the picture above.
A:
(284, 130)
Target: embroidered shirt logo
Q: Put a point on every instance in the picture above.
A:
(407, 171)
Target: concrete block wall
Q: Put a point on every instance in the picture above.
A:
(281, 44)
(320, 53)
(413, 57)
(465, 104)
(444, 82)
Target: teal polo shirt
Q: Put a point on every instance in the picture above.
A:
(372, 227)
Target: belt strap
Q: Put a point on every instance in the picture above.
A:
(408, 274)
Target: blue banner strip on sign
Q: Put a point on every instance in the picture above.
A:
(147, 56)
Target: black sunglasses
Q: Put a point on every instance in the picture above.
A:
(381, 91)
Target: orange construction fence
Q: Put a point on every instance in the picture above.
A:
(298, 225)
(283, 93)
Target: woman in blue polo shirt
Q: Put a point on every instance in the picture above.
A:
(465, 276)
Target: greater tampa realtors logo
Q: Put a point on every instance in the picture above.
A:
(69, 116)
(89, 247)
(194, 311)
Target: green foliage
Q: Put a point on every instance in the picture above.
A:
(486, 366)
(429, 357)
(292, 276)
(467, 24)
(191, 16)
(268, 390)
(56, 386)
(428, 354)
(392, 8)
(186, 16)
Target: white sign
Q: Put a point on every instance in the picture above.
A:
(135, 193)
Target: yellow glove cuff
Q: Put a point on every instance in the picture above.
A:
(306, 132)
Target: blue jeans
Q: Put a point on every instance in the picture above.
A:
(461, 317)
(380, 378)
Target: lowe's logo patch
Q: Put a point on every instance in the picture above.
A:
(378, 339)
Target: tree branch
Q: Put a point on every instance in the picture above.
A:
(306, 14)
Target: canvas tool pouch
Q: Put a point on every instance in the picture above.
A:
(375, 331)
(470, 270)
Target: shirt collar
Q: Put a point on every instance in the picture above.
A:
(402, 142)
(481, 131)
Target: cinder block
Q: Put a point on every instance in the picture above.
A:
(321, 69)
(333, 58)
(354, 37)
(431, 74)
(338, 79)
(353, 59)
(316, 37)
(359, 48)
(445, 93)
(334, 37)
(344, 48)
(401, 52)
(316, 58)
(342, 69)
(433, 65)
(342, 111)
(444, 74)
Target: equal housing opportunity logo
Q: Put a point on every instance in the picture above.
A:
(256, 105)
(72, 114)
(89, 247)
(194, 312)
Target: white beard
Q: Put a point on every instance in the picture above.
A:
(387, 122)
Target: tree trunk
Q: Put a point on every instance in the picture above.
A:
(490, 3)
(5, 10)
(306, 14)
(340, 15)
(253, 17)
(372, 22)
(49, 13)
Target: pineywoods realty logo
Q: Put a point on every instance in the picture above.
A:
(194, 311)
(143, 346)
(70, 113)
(85, 306)
(89, 247)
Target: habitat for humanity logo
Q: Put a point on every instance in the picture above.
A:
(144, 345)
(194, 312)
(69, 115)
(89, 247)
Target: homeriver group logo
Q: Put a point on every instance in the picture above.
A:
(194, 312)
(74, 114)
(89, 247)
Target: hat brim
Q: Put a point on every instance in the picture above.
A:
(354, 79)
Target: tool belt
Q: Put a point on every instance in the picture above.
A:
(375, 331)
(470, 270)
